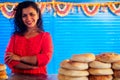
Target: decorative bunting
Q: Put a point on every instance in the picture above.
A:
(42, 6)
(49, 7)
(90, 9)
(62, 9)
(8, 10)
(73, 10)
(115, 7)
(103, 8)
(78, 9)
(1, 5)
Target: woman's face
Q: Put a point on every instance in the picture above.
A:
(30, 17)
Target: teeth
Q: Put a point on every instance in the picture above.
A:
(29, 22)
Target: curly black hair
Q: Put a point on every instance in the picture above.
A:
(19, 26)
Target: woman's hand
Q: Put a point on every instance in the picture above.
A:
(10, 56)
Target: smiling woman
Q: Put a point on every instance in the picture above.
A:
(30, 47)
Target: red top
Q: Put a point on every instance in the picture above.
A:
(39, 45)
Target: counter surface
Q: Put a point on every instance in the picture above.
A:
(32, 77)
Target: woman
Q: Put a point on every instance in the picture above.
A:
(30, 48)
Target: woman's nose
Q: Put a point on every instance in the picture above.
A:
(28, 17)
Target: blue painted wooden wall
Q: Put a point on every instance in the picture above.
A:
(75, 33)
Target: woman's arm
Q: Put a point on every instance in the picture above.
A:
(24, 66)
(47, 49)
(32, 60)
(10, 57)
(44, 57)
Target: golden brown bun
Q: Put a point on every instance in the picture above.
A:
(3, 77)
(99, 64)
(116, 73)
(2, 67)
(100, 71)
(88, 57)
(116, 65)
(3, 72)
(63, 77)
(108, 57)
(106, 77)
(68, 72)
(73, 65)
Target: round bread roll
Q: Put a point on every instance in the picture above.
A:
(2, 67)
(108, 57)
(74, 65)
(116, 65)
(63, 77)
(103, 77)
(88, 57)
(68, 72)
(99, 64)
(3, 77)
(116, 73)
(3, 72)
(100, 71)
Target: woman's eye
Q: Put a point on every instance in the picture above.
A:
(24, 15)
(31, 14)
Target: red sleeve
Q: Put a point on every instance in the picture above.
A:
(47, 50)
(10, 48)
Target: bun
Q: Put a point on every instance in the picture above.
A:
(2, 67)
(106, 77)
(108, 57)
(3, 77)
(100, 71)
(63, 77)
(2, 72)
(116, 65)
(88, 57)
(99, 64)
(74, 65)
(76, 73)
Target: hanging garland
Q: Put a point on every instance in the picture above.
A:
(62, 9)
(115, 8)
(90, 9)
(42, 6)
(1, 5)
(8, 10)
(103, 8)
(48, 7)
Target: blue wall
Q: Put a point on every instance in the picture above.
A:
(75, 33)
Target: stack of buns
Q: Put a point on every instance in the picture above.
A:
(114, 59)
(100, 70)
(75, 68)
(105, 66)
(3, 74)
